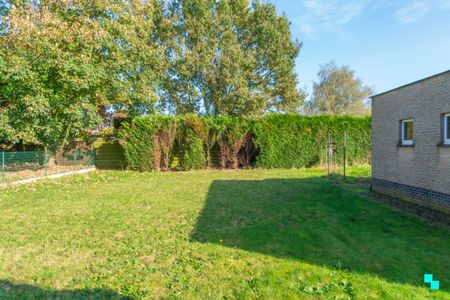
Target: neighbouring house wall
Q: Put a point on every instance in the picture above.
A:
(421, 173)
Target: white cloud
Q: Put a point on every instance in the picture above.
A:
(412, 12)
(306, 28)
(328, 14)
(316, 16)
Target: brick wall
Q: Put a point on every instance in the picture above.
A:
(408, 171)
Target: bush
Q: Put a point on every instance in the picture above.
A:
(191, 139)
(137, 141)
(148, 142)
(291, 141)
(194, 155)
(273, 141)
(231, 139)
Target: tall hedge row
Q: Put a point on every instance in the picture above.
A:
(274, 141)
(287, 141)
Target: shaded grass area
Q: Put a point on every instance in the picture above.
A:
(25, 291)
(251, 234)
(359, 183)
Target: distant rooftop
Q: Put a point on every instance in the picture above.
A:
(426, 78)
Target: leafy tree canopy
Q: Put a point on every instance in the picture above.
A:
(229, 57)
(338, 92)
(62, 61)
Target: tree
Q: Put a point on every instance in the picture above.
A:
(63, 61)
(339, 92)
(229, 57)
(4, 9)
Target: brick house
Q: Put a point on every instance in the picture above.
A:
(411, 142)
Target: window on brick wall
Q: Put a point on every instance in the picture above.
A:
(408, 132)
(447, 129)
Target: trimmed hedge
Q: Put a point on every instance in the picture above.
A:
(137, 141)
(290, 141)
(274, 141)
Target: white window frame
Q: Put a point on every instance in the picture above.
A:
(446, 120)
(404, 141)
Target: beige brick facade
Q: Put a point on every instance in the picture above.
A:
(426, 165)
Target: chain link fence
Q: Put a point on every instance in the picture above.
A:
(15, 166)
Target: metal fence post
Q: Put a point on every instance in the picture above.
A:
(345, 153)
(3, 166)
(329, 157)
(45, 162)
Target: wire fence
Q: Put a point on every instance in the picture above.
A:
(107, 153)
(332, 164)
(15, 166)
(337, 161)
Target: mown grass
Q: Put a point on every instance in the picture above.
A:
(259, 234)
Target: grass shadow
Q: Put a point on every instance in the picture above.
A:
(317, 222)
(9, 290)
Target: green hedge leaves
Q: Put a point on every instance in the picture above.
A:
(291, 141)
(275, 141)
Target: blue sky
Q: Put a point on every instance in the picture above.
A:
(387, 43)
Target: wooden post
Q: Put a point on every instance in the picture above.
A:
(345, 153)
(3, 166)
(328, 153)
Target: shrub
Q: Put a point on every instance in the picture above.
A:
(292, 141)
(166, 132)
(231, 139)
(191, 140)
(213, 133)
(194, 155)
(277, 141)
(137, 141)
(148, 142)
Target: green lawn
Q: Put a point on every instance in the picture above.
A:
(259, 234)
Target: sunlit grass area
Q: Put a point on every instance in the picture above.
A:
(256, 234)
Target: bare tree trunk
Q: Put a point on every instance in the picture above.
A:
(66, 137)
(167, 138)
(208, 158)
(224, 150)
(234, 159)
(234, 163)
